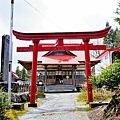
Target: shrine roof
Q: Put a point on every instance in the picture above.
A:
(79, 58)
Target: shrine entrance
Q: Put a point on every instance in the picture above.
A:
(85, 36)
(59, 79)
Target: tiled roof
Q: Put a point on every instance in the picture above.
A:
(79, 56)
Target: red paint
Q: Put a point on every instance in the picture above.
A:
(88, 70)
(64, 47)
(61, 57)
(59, 42)
(61, 35)
(34, 71)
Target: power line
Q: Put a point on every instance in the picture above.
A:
(42, 14)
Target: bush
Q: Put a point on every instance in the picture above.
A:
(82, 97)
(98, 95)
(109, 77)
(102, 95)
(4, 103)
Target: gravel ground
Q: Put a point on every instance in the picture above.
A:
(59, 116)
(57, 106)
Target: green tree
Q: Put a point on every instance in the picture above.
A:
(18, 72)
(4, 103)
(117, 19)
(28, 74)
(23, 73)
(110, 77)
(112, 39)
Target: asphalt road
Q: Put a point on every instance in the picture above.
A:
(57, 106)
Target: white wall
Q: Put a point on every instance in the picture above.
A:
(106, 60)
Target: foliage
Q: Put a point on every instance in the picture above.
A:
(4, 102)
(112, 39)
(117, 19)
(109, 77)
(18, 72)
(0, 75)
(82, 97)
(102, 95)
(28, 74)
(98, 95)
(13, 114)
(24, 74)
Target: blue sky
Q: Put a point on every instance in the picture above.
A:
(55, 16)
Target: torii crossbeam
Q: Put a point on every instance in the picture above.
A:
(60, 36)
(74, 47)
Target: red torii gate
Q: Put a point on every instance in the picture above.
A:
(36, 37)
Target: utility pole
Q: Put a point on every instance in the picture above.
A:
(10, 52)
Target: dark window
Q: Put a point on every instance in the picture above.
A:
(115, 54)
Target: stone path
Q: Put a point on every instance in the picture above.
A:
(57, 106)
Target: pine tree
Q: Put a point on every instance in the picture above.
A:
(112, 39)
(23, 73)
(18, 72)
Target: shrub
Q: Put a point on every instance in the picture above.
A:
(82, 97)
(98, 95)
(109, 77)
(102, 95)
(4, 103)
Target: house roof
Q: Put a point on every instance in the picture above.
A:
(108, 50)
(15, 75)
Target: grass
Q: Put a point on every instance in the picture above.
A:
(98, 95)
(102, 95)
(40, 95)
(14, 114)
(82, 97)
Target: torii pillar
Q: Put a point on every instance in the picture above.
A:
(36, 37)
(34, 71)
(88, 70)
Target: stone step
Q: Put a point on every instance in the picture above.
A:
(95, 104)
(82, 107)
(59, 88)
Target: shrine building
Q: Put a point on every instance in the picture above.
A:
(60, 70)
